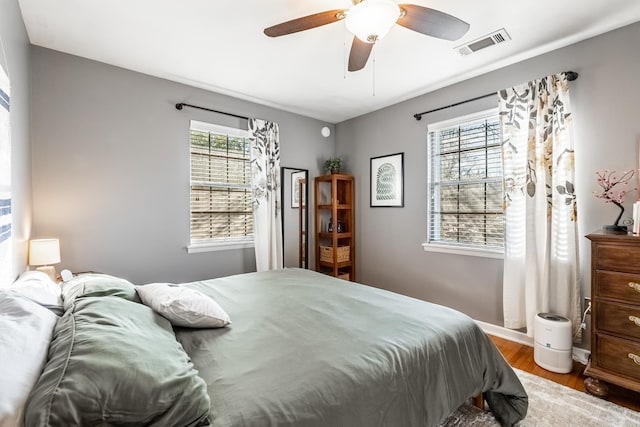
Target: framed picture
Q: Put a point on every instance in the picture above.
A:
(296, 177)
(387, 181)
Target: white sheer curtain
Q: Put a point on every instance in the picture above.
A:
(265, 174)
(541, 250)
(6, 250)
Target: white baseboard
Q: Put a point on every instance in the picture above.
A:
(507, 334)
(579, 354)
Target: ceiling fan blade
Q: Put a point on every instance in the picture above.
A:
(359, 54)
(432, 22)
(306, 22)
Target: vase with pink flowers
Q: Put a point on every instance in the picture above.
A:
(614, 188)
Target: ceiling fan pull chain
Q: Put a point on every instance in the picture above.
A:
(344, 52)
(373, 89)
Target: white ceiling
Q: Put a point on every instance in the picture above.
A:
(219, 45)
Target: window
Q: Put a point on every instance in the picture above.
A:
(221, 206)
(465, 184)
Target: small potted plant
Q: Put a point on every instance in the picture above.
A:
(333, 164)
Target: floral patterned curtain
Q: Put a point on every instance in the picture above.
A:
(541, 251)
(265, 174)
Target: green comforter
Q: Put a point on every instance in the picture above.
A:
(114, 362)
(305, 349)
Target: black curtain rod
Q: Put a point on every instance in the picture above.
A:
(180, 105)
(571, 76)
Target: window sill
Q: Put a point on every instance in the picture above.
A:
(449, 249)
(219, 246)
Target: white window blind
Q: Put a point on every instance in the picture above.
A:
(465, 183)
(221, 206)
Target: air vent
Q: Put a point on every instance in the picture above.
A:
(494, 38)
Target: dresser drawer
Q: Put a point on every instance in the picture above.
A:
(618, 355)
(622, 286)
(623, 256)
(619, 319)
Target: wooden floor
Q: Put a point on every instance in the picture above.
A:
(520, 356)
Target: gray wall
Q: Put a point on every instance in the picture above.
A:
(111, 167)
(18, 65)
(607, 116)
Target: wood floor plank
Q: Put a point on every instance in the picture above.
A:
(520, 356)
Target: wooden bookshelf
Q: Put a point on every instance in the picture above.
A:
(335, 225)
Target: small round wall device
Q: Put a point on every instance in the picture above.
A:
(552, 346)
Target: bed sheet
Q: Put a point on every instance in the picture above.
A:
(308, 350)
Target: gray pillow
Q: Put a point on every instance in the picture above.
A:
(96, 285)
(116, 362)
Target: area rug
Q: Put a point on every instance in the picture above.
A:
(552, 405)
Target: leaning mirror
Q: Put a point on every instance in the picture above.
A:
(295, 216)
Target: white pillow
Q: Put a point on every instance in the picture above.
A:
(39, 288)
(183, 306)
(25, 333)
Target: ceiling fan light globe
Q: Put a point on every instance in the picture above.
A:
(370, 20)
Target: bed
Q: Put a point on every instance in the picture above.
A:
(303, 349)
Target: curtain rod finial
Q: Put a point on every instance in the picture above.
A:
(571, 75)
(418, 117)
(179, 106)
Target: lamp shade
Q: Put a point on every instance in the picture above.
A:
(44, 251)
(370, 20)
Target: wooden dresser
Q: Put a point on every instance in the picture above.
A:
(615, 313)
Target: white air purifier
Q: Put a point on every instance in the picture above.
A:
(552, 343)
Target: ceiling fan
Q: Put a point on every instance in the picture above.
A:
(370, 20)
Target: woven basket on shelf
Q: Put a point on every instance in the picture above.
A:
(326, 253)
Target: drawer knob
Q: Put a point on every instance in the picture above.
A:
(635, 286)
(635, 320)
(635, 358)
